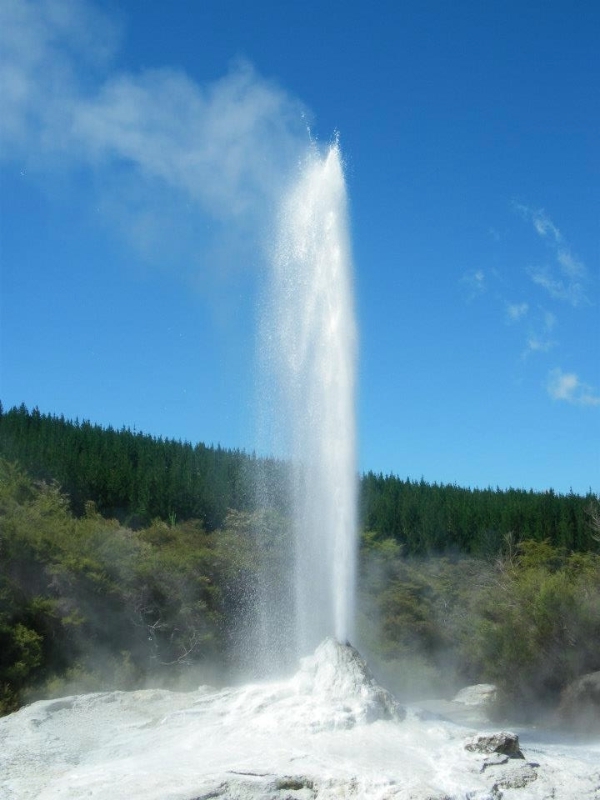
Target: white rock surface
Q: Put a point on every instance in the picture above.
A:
(480, 694)
(328, 732)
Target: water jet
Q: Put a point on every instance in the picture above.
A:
(309, 345)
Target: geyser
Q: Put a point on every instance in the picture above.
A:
(330, 730)
(309, 339)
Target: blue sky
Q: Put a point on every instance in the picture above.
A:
(143, 148)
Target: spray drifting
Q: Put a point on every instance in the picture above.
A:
(310, 336)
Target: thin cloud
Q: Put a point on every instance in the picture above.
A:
(541, 222)
(44, 45)
(569, 291)
(215, 144)
(565, 279)
(568, 388)
(538, 344)
(516, 311)
(539, 339)
(570, 265)
(540, 326)
(475, 281)
(545, 227)
(161, 146)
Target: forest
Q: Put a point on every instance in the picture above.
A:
(126, 560)
(137, 478)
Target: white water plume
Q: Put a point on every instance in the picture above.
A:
(309, 336)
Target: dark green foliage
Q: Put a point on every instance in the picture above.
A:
(430, 518)
(416, 614)
(528, 621)
(136, 478)
(130, 476)
(90, 602)
(539, 624)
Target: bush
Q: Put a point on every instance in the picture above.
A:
(417, 616)
(88, 603)
(539, 625)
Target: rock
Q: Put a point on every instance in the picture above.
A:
(503, 742)
(494, 760)
(481, 694)
(518, 778)
(580, 704)
(295, 788)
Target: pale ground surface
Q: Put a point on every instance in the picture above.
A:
(322, 734)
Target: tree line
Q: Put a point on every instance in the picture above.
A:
(132, 476)
(433, 518)
(136, 478)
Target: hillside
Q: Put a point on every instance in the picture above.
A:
(136, 478)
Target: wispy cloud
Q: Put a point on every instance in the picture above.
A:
(45, 46)
(570, 265)
(516, 311)
(540, 324)
(157, 137)
(217, 143)
(542, 223)
(475, 281)
(539, 337)
(538, 344)
(566, 278)
(567, 387)
(570, 291)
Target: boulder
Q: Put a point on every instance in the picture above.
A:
(580, 704)
(503, 742)
(478, 695)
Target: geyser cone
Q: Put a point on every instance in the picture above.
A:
(338, 674)
(309, 335)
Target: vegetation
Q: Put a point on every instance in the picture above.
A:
(90, 602)
(541, 618)
(528, 621)
(86, 603)
(131, 476)
(430, 518)
(136, 478)
(127, 560)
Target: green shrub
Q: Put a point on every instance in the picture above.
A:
(539, 625)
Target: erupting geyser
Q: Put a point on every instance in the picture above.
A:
(330, 730)
(309, 334)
